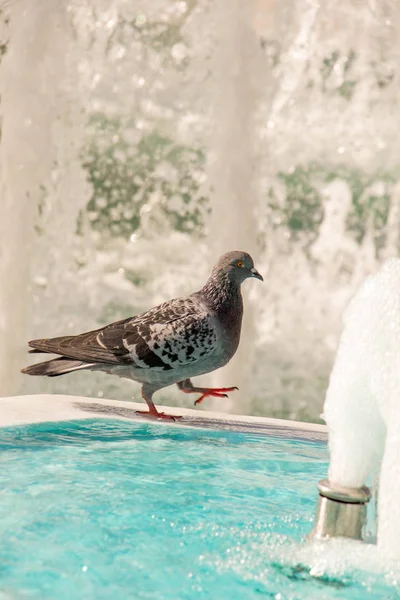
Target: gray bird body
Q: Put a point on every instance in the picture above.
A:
(170, 343)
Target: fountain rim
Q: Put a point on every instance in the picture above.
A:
(41, 408)
(342, 493)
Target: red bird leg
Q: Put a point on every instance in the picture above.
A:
(188, 388)
(153, 413)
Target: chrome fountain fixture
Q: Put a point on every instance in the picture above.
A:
(341, 511)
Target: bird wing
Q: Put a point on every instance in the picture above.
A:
(169, 336)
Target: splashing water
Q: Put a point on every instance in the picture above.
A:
(146, 138)
(42, 179)
(362, 404)
(233, 175)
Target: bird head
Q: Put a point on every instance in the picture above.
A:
(238, 266)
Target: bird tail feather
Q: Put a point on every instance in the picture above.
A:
(56, 367)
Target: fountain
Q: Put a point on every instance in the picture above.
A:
(143, 139)
(362, 413)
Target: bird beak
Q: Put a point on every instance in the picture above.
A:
(256, 274)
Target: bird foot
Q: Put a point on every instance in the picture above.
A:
(215, 392)
(187, 387)
(157, 415)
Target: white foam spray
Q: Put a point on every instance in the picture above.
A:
(362, 407)
(41, 177)
(232, 167)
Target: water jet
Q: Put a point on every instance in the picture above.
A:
(362, 412)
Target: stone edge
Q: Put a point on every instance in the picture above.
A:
(39, 408)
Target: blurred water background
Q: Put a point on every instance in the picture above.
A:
(141, 139)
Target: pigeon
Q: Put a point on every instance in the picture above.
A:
(169, 344)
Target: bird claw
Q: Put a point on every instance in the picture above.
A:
(214, 394)
(157, 416)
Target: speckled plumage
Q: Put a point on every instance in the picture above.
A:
(168, 344)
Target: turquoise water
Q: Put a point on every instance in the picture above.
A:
(112, 509)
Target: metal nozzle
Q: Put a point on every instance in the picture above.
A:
(341, 511)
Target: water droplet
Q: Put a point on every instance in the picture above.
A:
(178, 52)
(181, 7)
(140, 20)
(40, 281)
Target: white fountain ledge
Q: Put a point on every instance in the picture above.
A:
(39, 408)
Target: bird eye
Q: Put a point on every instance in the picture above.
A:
(240, 264)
